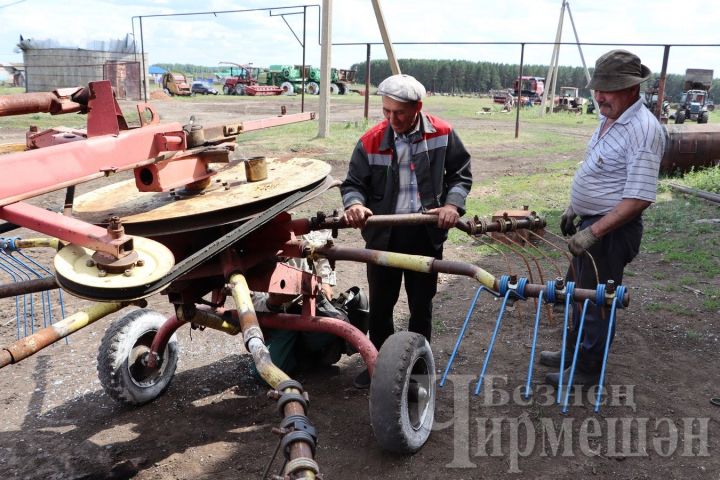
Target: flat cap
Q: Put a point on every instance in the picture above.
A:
(402, 88)
(618, 70)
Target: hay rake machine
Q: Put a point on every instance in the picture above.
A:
(206, 231)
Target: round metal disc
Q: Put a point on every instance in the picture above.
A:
(74, 273)
(229, 198)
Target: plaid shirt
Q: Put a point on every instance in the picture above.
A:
(408, 200)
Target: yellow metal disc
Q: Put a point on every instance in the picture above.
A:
(228, 198)
(76, 272)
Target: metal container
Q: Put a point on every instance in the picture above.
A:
(691, 146)
(255, 169)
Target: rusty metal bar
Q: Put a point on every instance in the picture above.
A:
(518, 251)
(475, 226)
(661, 83)
(28, 346)
(40, 102)
(28, 286)
(484, 239)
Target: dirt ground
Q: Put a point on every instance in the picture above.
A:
(214, 421)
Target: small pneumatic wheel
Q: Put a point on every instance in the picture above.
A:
(121, 359)
(402, 393)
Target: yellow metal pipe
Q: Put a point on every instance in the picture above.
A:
(251, 330)
(28, 346)
(299, 450)
(208, 319)
(40, 242)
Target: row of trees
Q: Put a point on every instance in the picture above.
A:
(190, 69)
(463, 76)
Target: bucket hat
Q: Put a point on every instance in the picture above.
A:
(403, 88)
(617, 70)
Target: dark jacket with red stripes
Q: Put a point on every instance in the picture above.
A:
(442, 168)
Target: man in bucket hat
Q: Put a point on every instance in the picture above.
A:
(411, 162)
(611, 188)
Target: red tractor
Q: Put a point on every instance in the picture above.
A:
(243, 80)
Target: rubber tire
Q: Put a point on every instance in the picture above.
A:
(343, 89)
(167, 92)
(680, 117)
(136, 329)
(240, 90)
(288, 88)
(334, 89)
(226, 90)
(703, 117)
(404, 360)
(312, 88)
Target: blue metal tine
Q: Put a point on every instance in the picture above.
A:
(478, 387)
(49, 302)
(12, 270)
(461, 335)
(23, 269)
(17, 300)
(534, 343)
(568, 300)
(618, 298)
(575, 356)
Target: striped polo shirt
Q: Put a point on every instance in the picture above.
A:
(623, 163)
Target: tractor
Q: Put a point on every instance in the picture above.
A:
(694, 100)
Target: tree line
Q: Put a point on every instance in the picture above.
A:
(466, 77)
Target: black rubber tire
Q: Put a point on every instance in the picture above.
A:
(704, 117)
(226, 90)
(343, 88)
(334, 89)
(288, 88)
(401, 420)
(122, 376)
(680, 117)
(312, 88)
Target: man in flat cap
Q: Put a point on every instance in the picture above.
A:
(411, 162)
(611, 188)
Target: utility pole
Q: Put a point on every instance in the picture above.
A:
(551, 79)
(325, 64)
(394, 65)
(552, 69)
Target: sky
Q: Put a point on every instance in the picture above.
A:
(263, 39)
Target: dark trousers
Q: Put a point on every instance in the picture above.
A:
(384, 285)
(611, 254)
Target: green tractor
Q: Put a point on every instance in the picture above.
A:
(290, 79)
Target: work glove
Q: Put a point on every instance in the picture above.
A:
(567, 225)
(581, 241)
